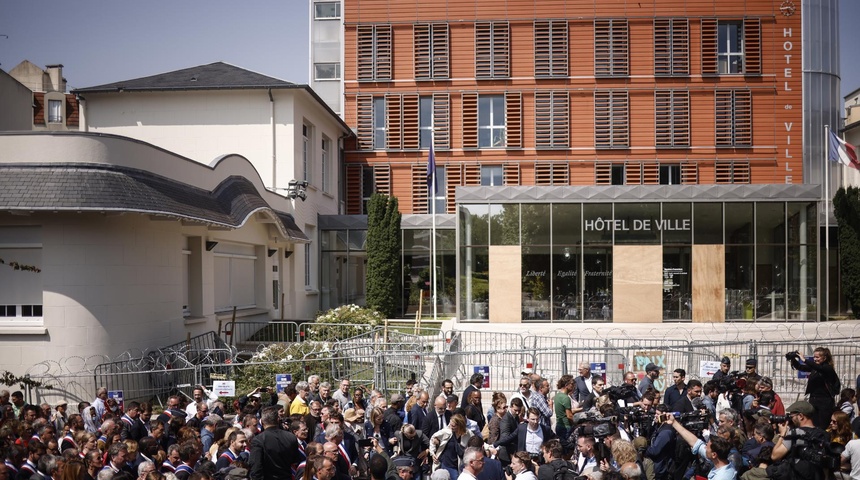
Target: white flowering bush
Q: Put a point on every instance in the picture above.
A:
(298, 359)
(343, 322)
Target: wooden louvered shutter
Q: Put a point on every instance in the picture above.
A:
(470, 120)
(611, 119)
(710, 65)
(672, 118)
(442, 121)
(423, 54)
(514, 119)
(382, 179)
(752, 46)
(633, 173)
(552, 173)
(471, 174)
(551, 57)
(671, 46)
(483, 50)
(689, 173)
(393, 122)
(383, 52)
(611, 47)
(511, 173)
(501, 49)
(552, 119)
(543, 119)
(723, 118)
(650, 173)
(365, 52)
(410, 122)
(740, 172)
(560, 56)
(723, 172)
(603, 173)
(419, 188)
(453, 179)
(681, 118)
(742, 109)
(440, 50)
(680, 46)
(353, 189)
(364, 121)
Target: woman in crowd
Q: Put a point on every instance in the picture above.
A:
(500, 408)
(448, 445)
(521, 467)
(377, 428)
(840, 428)
(847, 397)
(822, 378)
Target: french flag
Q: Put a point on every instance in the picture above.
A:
(842, 152)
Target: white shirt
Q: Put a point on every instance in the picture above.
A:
(466, 475)
(534, 439)
(852, 453)
(191, 408)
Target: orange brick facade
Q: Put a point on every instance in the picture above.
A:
(604, 92)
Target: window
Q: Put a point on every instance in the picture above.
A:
(551, 48)
(379, 123)
(326, 71)
(552, 113)
(308, 285)
(610, 48)
(21, 289)
(325, 148)
(672, 118)
(611, 119)
(55, 111)
(361, 182)
(431, 51)
(374, 52)
(307, 161)
(326, 10)
(731, 47)
(492, 50)
(733, 118)
(491, 175)
(425, 121)
(491, 121)
(671, 46)
(617, 175)
(670, 174)
(439, 197)
(732, 172)
(235, 276)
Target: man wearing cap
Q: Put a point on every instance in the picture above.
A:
(765, 384)
(391, 415)
(751, 374)
(59, 418)
(652, 372)
(723, 372)
(793, 438)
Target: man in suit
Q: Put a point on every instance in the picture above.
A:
(132, 427)
(532, 434)
(508, 431)
(418, 413)
(583, 382)
(274, 450)
(345, 441)
(476, 381)
(685, 403)
(437, 419)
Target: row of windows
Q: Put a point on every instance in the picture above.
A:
(364, 180)
(412, 121)
(727, 46)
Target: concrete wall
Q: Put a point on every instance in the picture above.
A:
(17, 104)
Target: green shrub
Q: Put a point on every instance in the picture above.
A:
(343, 322)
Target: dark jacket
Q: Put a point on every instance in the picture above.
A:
(416, 416)
(507, 437)
(548, 434)
(547, 471)
(132, 428)
(273, 452)
(662, 450)
(672, 395)
(581, 391)
(431, 422)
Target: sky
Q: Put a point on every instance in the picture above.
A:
(104, 41)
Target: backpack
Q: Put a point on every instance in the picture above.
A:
(564, 472)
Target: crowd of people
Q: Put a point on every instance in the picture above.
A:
(731, 426)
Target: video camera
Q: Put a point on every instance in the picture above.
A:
(620, 392)
(695, 422)
(733, 382)
(817, 451)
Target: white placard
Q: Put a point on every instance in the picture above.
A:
(707, 368)
(224, 388)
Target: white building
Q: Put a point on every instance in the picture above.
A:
(284, 129)
(326, 51)
(111, 244)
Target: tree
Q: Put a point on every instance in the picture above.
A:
(384, 274)
(846, 206)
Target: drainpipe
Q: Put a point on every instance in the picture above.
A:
(274, 143)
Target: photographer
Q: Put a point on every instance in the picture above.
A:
(662, 448)
(521, 467)
(716, 450)
(796, 443)
(822, 385)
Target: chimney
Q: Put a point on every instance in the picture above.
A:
(55, 72)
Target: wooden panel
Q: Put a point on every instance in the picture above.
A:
(453, 179)
(742, 110)
(550, 48)
(383, 67)
(511, 174)
(650, 173)
(364, 52)
(364, 121)
(382, 179)
(709, 283)
(505, 283)
(709, 46)
(410, 122)
(441, 51)
(603, 173)
(471, 174)
(353, 189)
(752, 46)
(421, 45)
(419, 188)
(637, 283)
(393, 122)
(633, 173)
(470, 120)
(441, 121)
(514, 119)
(689, 173)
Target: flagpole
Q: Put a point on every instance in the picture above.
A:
(433, 231)
(827, 222)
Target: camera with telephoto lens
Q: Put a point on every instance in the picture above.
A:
(818, 452)
(777, 419)
(509, 472)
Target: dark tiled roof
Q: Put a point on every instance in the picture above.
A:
(73, 187)
(218, 75)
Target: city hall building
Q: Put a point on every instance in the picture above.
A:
(629, 161)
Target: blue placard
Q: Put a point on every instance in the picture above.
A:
(599, 369)
(282, 380)
(485, 371)
(801, 374)
(117, 395)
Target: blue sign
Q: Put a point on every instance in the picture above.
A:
(599, 369)
(117, 395)
(485, 371)
(801, 374)
(282, 380)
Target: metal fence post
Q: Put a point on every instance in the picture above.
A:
(564, 359)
